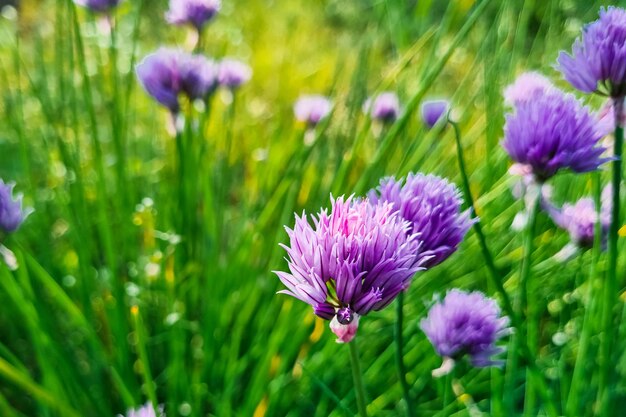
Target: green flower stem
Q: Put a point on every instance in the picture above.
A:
(410, 409)
(357, 377)
(531, 313)
(610, 289)
(578, 376)
(496, 280)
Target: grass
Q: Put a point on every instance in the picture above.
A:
(145, 273)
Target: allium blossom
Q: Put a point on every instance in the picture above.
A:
(385, 107)
(351, 261)
(433, 111)
(433, 207)
(198, 76)
(11, 212)
(579, 220)
(233, 73)
(146, 410)
(553, 132)
(99, 6)
(598, 59)
(526, 87)
(193, 12)
(167, 73)
(466, 323)
(312, 109)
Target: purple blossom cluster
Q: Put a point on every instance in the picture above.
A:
(598, 59)
(12, 213)
(385, 107)
(466, 324)
(433, 207)
(312, 109)
(168, 73)
(551, 132)
(351, 261)
(579, 219)
(196, 13)
(434, 111)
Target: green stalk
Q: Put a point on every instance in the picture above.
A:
(521, 349)
(578, 376)
(357, 377)
(531, 315)
(482, 241)
(610, 293)
(410, 410)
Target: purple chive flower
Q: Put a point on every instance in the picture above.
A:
(99, 6)
(312, 109)
(159, 75)
(193, 12)
(385, 107)
(552, 132)
(167, 73)
(146, 410)
(433, 111)
(198, 75)
(11, 213)
(579, 219)
(433, 207)
(233, 73)
(598, 59)
(352, 261)
(526, 87)
(466, 323)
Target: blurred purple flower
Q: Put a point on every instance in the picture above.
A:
(312, 109)
(526, 87)
(466, 323)
(146, 410)
(385, 107)
(11, 212)
(552, 132)
(579, 219)
(194, 12)
(159, 75)
(167, 73)
(433, 111)
(198, 75)
(99, 6)
(433, 207)
(352, 261)
(233, 73)
(598, 59)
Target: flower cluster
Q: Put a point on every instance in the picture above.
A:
(598, 59)
(196, 13)
(579, 219)
(351, 261)
(553, 132)
(168, 73)
(312, 109)
(433, 206)
(466, 324)
(433, 111)
(385, 107)
(11, 212)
